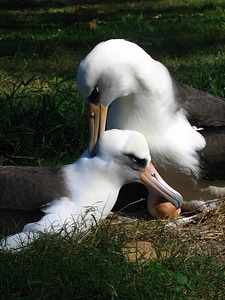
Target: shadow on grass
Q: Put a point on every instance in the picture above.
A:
(166, 28)
(40, 120)
(52, 37)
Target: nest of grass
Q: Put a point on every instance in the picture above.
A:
(203, 234)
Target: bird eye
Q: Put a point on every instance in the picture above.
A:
(93, 97)
(135, 159)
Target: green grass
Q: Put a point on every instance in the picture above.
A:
(42, 116)
(93, 266)
(43, 122)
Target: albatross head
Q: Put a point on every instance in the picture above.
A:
(109, 72)
(128, 150)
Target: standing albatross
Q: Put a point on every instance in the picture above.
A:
(184, 127)
(82, 192)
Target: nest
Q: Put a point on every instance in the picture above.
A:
(203, 234)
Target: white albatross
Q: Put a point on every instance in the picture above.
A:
(81, 193)
(184, 127)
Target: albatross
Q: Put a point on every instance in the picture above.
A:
(81, 193)
(184, 127)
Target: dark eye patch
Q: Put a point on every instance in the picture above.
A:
(93, 98)
(139, 161)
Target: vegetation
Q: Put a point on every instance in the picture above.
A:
(42, 116)
(42, 122)
(98, 265)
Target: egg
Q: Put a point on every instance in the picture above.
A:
(162, 209)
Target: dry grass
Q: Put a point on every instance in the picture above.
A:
(204, 234)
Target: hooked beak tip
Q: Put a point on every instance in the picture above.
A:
(152, 178)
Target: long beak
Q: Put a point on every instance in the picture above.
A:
(97, 119)
(151, 178)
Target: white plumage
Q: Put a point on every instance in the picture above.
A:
(144, 97)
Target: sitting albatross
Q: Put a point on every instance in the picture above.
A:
(184, 127)
(82, 192)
